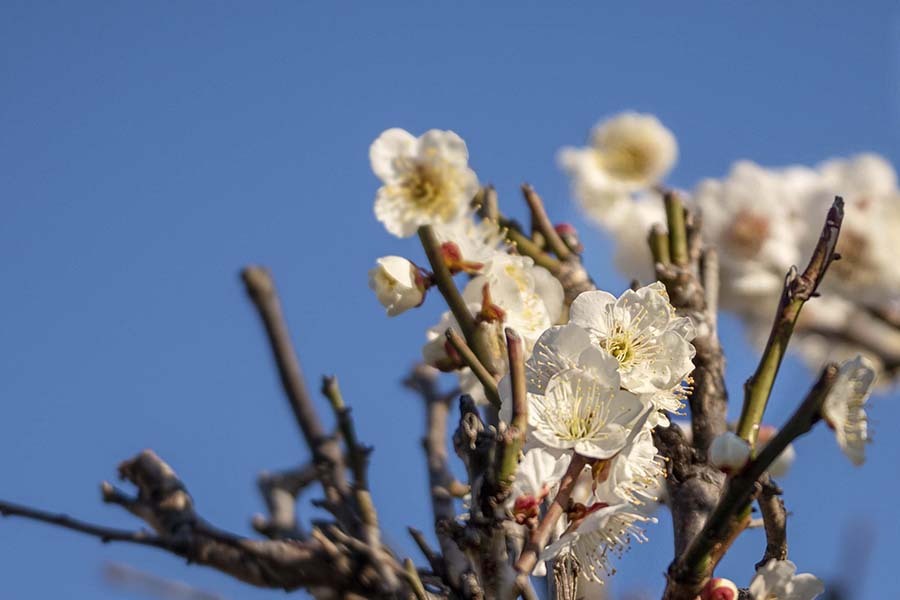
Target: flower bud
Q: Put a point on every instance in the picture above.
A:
(782, 464)
(719, 588)
(398, 284)
(729, 452)
(455, 261)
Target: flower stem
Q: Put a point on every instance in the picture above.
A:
(541, 534)
(468, 357)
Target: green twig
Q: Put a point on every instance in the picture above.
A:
(659, 245)
(688, 573)
(468, 357)
(797, 290)
(678, 244)
(541, 222)
(514, 436)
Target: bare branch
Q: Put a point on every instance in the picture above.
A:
(774, 517)
(440, 480)
(325, 450)
(541, 222)
(280, 491)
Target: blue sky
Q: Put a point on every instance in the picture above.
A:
(149, 150)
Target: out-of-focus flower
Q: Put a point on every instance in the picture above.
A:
(729, 452)
(477, 241)
(777, 580)
(629, 152)
(630, 149)
(427, 180)
(844, 410)
(750, 217)
(398, 284)
(640, 329)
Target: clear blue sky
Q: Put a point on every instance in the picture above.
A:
(150, 149)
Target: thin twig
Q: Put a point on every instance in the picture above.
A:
(359, 463)
(280, 491)
(443, 279)
(488, 382)
(797, 290)
(678, 237)
(774, 517)
(326, 452)
(688, 573)
(541, 222)
(105, 534)
(541, 534)
(513, 438)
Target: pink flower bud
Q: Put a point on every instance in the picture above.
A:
(719, 588)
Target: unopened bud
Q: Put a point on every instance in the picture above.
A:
(782, 464)
(569, 235)
(728, 452)
(398, 284)
(719, 588)
(455, 261)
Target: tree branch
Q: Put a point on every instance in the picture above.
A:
(326, 453)
(797, 290)
(689, 572)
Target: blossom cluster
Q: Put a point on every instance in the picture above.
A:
(597, 385)
(601, 371)
(762, 221)
(598, 381)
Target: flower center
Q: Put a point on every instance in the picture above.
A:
(626, 162)
(621, 347)
(747, 234)
(429, 187)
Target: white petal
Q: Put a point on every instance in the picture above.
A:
(387, 148)
(446, 146)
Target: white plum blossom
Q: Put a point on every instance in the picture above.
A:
(478, 241)
(630, 149)
(585, 411)
(729, 452)
(640, 329)
(751, 217)
(606, 530)
(628, 153)
(844, 407)
(869, 241)
(531, 297)
(427, 180)
(398, 284)
(634, 475)
(778, 580)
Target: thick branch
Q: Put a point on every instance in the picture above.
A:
(164, 504)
